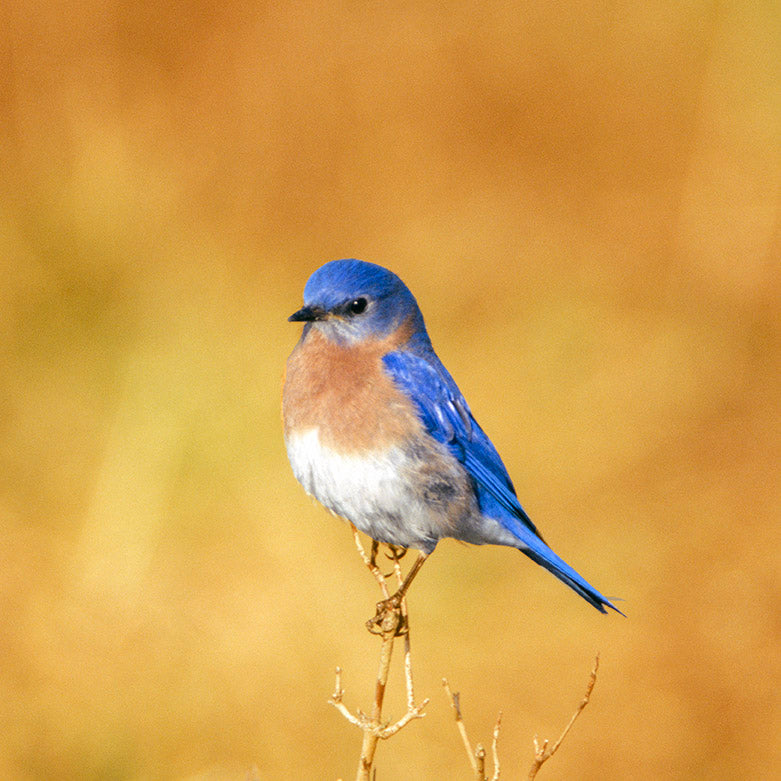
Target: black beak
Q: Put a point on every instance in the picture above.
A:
(307, 314)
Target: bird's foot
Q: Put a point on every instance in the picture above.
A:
(390, 620)
(394, 553)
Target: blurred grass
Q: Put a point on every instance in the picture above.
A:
(585, 200)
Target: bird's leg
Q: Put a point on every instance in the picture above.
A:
(389, 618)
(416, 565)
(375, 549)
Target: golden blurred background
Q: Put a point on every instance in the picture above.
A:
(585, 199)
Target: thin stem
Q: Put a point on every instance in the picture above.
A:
(495, 748)
(455, 703)
(369, 562)
(476, 757)
(371, 734)
(480, 762)
(336, 700)
(541, 752)
(392, 622)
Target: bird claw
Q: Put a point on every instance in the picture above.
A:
(389, 620)
(395, 552)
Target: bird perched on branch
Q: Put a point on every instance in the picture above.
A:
(377, 430)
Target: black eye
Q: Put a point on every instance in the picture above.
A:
(356, 306)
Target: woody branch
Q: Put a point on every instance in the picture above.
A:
(392, 623)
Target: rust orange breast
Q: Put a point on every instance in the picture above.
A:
(346, 395)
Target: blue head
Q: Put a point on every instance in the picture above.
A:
(351, 300)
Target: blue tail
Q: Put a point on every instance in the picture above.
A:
(540, 553)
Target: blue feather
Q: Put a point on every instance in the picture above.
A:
(447, 417)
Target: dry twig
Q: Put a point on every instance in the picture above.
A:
(476, 757)
(495, 747)
(541, 751)
(393, 623)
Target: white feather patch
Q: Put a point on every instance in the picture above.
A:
(376, 492)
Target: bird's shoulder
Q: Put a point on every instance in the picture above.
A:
(425, 380)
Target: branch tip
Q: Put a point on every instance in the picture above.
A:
(542, 753)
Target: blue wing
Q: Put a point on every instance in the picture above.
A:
(446, 416)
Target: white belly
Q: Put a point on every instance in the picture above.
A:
(381, 493)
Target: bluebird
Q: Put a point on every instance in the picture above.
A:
(378, 432)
